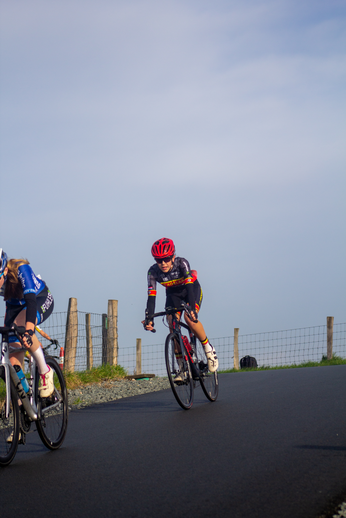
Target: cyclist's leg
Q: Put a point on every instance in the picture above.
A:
(175, 301)
(45, 304)
(198, 330)
(14, 315)
(18, 358)
(196, 327)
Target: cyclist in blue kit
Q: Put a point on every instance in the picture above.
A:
(28, 302)
(181, 286)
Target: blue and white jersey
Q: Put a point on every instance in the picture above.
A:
(29, 282)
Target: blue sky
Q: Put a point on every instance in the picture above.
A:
(218, 124)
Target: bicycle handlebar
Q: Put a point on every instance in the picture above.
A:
(16, 330)
(19, 331)
(169, 311)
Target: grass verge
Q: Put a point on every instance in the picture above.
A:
(94, 375)
(336, 360)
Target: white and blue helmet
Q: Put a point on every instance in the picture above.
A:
(3, 261)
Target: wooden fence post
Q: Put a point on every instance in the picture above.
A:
(71, 336)
(236, 350)
(104, 339)
(330, 325)
(138, 356)
(89, 342)
(112, 332)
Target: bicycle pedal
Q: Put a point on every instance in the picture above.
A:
(22, 439)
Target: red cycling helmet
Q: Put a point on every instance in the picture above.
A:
(162, 248)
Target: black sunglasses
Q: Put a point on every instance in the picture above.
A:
(164, 259)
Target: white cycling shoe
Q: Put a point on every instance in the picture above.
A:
(46, 384)
(213, 362)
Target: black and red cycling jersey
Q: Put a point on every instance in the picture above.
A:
(180, 282)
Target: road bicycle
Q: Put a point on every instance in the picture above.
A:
(50, 414)
(186, 360)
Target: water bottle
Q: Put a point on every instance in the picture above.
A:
(22, 378)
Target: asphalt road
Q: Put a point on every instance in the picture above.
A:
(273, 445)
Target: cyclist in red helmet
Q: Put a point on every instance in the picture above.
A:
(181, 285)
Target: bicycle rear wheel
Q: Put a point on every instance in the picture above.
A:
(9, 426)
(54, 409)
(209, 380)
(183, 389)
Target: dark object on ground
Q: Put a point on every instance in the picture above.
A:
(248, 362)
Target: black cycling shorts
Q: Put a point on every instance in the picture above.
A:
(174, 300)
(45, 305)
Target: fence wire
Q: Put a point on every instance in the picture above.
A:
(287, 347)
(273, 348)
(55, 327)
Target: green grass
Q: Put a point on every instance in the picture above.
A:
(84, 378)
(94, 375)
(336, 360)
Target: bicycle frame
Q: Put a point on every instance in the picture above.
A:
(176, 328)
(28, 402)
(176, 325)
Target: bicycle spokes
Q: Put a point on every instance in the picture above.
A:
(9, 423)
(178, 373)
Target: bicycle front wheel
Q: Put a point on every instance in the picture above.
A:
(9, 422)
(54, 410)
(209, 380)
(179, 373)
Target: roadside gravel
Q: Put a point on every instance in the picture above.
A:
(341, 511)
(111, 390)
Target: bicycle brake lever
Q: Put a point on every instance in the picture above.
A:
(188, 311)
(18, 329)
(147, 320)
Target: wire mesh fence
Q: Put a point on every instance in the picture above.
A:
(273, 348)
(280, 348)
(55, 327)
